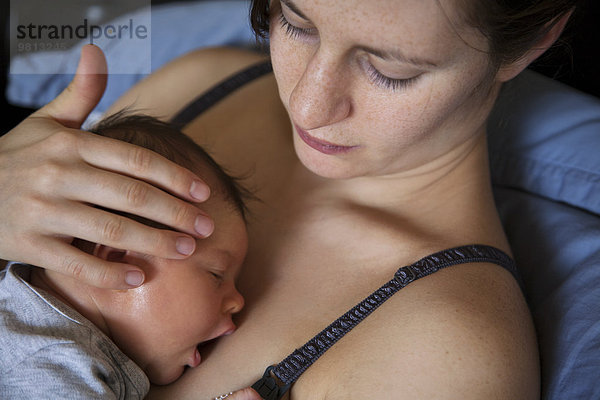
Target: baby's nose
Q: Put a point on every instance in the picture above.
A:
(234, 302)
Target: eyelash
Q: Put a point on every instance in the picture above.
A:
(375, 76)
(218, 277)
(389, 83)
(291, 30)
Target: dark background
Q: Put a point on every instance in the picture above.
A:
(576, 60)
(576, 63)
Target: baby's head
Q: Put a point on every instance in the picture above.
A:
(183, 303)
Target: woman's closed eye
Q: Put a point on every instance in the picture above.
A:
(386, 82)
(293, 31)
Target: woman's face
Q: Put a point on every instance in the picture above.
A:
(378, 87)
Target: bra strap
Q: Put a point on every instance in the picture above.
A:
(220, 91)
(277, 379)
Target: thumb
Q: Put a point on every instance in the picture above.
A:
(243, 394)
(74, 104)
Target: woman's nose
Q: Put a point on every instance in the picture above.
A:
(320, 98)
(233, 302)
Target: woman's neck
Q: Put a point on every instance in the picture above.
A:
(465, 164)
(452, 191)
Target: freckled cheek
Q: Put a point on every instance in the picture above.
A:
(397, 121)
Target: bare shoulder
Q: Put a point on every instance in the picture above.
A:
(169, 89)
(461, 334)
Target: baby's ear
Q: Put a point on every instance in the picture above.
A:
(109, 253)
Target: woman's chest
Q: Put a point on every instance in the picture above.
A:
(307, 265)
(297, 279)
(319, 246)
(296, 289)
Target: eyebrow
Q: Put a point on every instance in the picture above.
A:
(290, 4)
(398, 56)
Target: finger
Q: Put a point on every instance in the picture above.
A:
(78, 220)
(138, 162)
(244, 394)
(59, 256)
(117, 192)
(69, 109)
(74, 104)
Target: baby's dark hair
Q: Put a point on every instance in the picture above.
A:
(167, 140)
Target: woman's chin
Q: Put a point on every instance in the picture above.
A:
(328, 166)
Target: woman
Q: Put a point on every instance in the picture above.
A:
(367, 148)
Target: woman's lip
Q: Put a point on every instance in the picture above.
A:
(195, 359)
(322, 145)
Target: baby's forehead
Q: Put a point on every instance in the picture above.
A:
(219, 202)
(225, 190)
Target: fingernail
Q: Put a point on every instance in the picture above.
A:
(200, 191)
(185, 245)
(204, 225)
(134, 278)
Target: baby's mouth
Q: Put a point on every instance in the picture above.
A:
(195, 359)
(203, 349)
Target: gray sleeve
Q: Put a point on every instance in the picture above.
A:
(64, 371)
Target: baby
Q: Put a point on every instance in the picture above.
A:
(62, 338)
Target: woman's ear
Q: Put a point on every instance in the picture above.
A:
(509, 71)
(109, 253)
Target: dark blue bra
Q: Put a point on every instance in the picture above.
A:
(277, 379)
(220, 91)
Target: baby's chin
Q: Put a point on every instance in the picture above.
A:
(162, 375)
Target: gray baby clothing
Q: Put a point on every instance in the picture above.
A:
(50, 351)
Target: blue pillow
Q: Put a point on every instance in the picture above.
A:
(544, 140)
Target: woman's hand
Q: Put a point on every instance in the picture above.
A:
(51, 174)
(242, 394)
